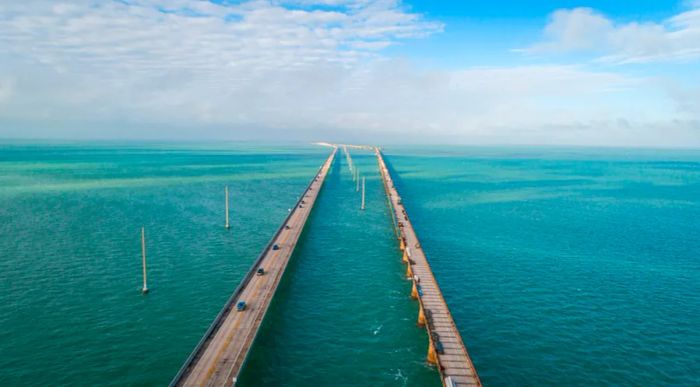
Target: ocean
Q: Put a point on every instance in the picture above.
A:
(561, 266)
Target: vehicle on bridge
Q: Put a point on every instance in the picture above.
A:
(241, 306)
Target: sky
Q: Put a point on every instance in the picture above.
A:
(545, 72)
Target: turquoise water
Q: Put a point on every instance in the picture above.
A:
(344, 315)
(564, 266)
(70, 307)
(561, 266)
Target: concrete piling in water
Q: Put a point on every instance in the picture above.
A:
(143, 260)
(363, 193)
(432, 356)
(227, 223)
(349, 159)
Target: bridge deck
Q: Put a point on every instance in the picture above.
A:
(219, 357)
(454, 363)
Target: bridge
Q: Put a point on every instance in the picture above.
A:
(219, 356)
(445, 346)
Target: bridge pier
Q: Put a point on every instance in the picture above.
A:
(432, 355)
(414, 293)
(421, 316)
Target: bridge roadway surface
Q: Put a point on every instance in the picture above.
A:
(218, 358)
(454, 364)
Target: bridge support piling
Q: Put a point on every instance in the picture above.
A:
(144, 290)
(432, 356)
(363, 193)
(227, 223)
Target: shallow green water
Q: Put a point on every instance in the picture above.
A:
(561, 266)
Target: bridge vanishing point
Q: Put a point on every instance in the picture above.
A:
(219, 356)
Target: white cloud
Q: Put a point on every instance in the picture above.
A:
(686, 97)
(160, 35)
(585, 30)
(195, 69)
(6, 89)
